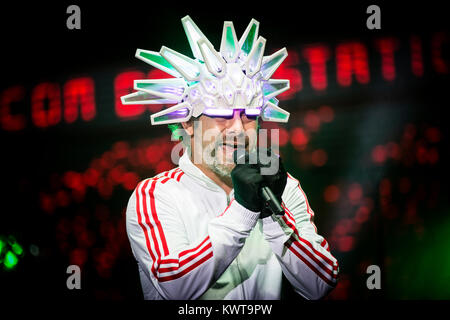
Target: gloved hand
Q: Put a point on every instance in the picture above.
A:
(247, 183)
(277, 178)
(248, 179)
(275, 181)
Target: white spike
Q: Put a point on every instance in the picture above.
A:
(214, 62)
(172, 114)
(271, 63)
(229, 46)
(254, 59)
(273, 113)
(140, 97)
(188, 68)
(155, 59)
(193, 34)
(173, 89)
(248, 39)
(274, 87)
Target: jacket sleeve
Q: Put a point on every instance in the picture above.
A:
(178, 268)
(304, 255)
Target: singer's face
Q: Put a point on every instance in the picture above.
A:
(221, 136)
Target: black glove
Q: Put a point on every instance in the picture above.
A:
(277, 181)
(248, 180)
(247, 183)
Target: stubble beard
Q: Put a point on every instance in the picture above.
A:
(221, 169)
(221, 165)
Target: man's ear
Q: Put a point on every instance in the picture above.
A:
(188, 126)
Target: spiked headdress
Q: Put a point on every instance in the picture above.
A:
(214, 83)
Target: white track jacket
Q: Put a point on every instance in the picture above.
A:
(193, 241)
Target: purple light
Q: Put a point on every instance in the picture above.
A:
(172, 90)
(179, 112)
(229, 112)
(195, 94)
(252, 111)
(218, 112)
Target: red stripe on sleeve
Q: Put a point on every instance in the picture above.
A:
(183, 253)
(165, 180)
(308, 208)
(327, 281)
(178, 275)
(174, 172)
(320, 263)
(155, 227)
(179, 176)
(147, 217)
(306, 242)
(156, 222)
(185, 260)
(143, 185)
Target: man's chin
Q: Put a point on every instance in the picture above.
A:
(222, 161)
(223, 170)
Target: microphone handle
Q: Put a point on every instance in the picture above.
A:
(271, 200)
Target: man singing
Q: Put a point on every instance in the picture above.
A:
(207, 229)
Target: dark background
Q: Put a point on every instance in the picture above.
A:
(371, 157)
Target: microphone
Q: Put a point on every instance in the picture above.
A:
(270, 200)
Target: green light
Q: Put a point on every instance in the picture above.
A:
(10, 260)
(2, 245)
(248, 42)
(230, 39)
(156, 58)
(17, 248)
(175, 128)
(271, 113)
(413, 266)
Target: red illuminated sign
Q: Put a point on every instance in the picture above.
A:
(9, 121)
(387, 46)
(352, 59)
(47, 107)
(79, 97)
(42, 93)
(317, 57)
(52, 103)
(123, 84)
(439, 64)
